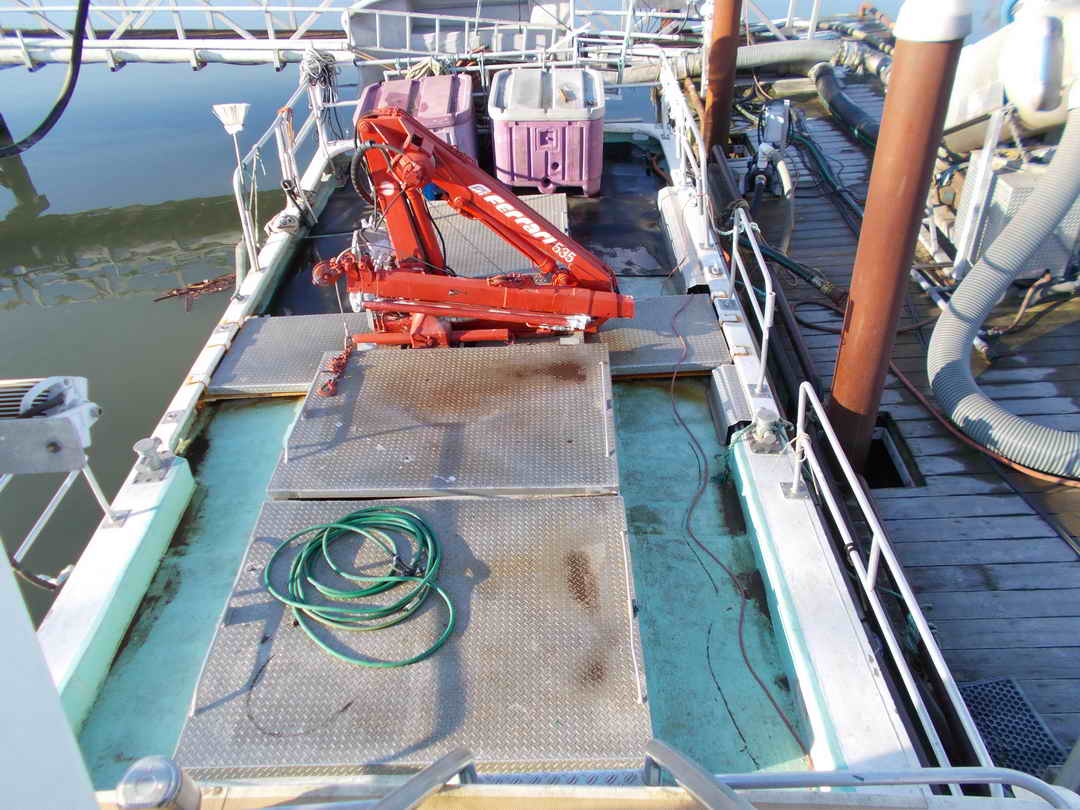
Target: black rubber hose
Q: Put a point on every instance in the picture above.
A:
(840, 105)
(358, 174)
(66, 92)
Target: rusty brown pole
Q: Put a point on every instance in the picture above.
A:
(929, 38)
(720, 78)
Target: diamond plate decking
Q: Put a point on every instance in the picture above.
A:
(542, 673)
(280, 355)
(525, 419)
(652, 342)
(473, 250)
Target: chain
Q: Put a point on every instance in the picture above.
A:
(336, 369)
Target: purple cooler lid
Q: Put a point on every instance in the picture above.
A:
(435, 101)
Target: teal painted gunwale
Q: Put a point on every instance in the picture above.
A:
(779, 597)
(78, 689)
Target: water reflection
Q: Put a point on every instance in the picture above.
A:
(58, 259)
(14, 176)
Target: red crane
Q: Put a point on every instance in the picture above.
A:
(417, 301)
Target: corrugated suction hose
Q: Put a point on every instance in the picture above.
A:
(948, 363)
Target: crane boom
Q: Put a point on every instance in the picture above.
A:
(417, 299)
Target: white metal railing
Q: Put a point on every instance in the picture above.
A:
(689, 169)
(259, 32)
(690, 151)
(46, 426)
(449, 36)
(287, 141)
(111, 519)
(271, 32)
(789, 19)
(868, 571)
(742, 225)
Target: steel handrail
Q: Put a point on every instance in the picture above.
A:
(992, 776)
(111, 517)
(867, 576)
(689, 143)
(247, 221)
(815, 13)
(284, 35)
(741, 224)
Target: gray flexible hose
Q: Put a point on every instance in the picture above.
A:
(1052, 451)
(789, 52)
(801, 52)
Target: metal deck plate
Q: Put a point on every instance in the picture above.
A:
(525, 419)
(649, 344)
(280, 355)
(540, 674)
(473, 250)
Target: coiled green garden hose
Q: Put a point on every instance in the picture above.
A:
(370, 524)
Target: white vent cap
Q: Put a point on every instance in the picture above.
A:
(933, 20)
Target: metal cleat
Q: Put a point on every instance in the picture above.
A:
(766, 432)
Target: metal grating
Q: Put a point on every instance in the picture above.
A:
(280, 355)
(649, 343)
(615, 778)
(1013, 731)
(525, 419)
(540, 674)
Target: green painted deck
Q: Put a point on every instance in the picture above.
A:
(704, 701)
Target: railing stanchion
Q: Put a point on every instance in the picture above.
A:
(99, 495)
(874, 561)
(43, 518)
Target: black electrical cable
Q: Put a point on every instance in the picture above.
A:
(66, 92)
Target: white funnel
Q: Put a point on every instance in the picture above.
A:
(231, 116)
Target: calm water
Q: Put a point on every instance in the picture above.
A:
(136, 176)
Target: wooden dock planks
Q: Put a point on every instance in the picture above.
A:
(1000, 587)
